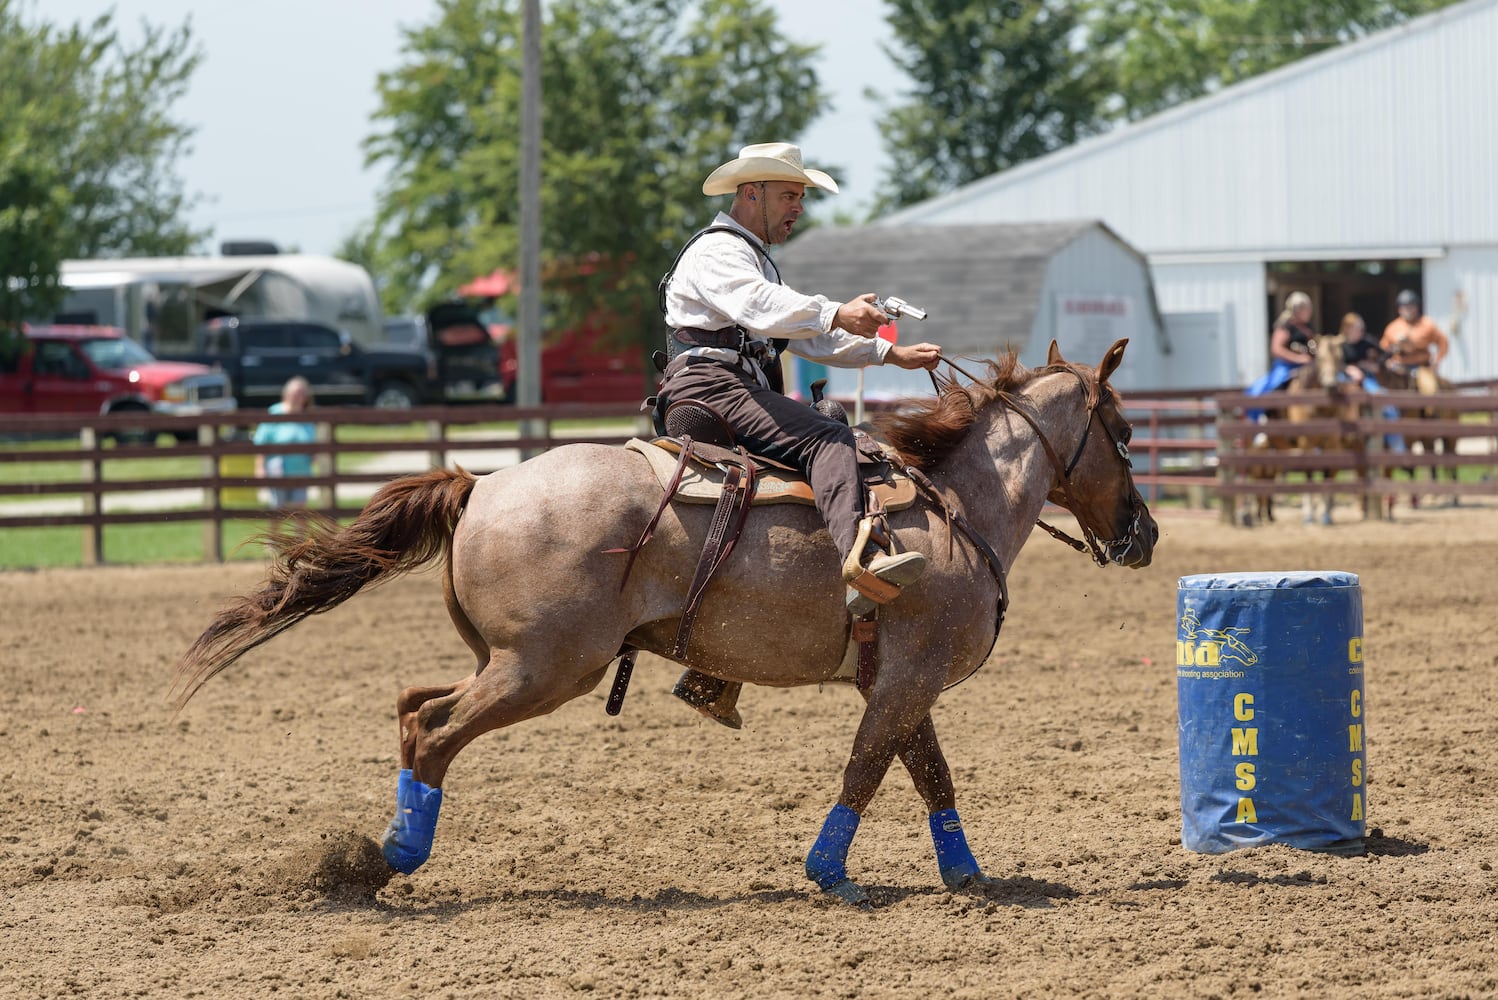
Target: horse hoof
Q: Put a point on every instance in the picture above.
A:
(974, 883)
(850, 892)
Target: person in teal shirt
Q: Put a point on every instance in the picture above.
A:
(296, 396)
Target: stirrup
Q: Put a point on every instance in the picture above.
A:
(882, 580)
(714, 698)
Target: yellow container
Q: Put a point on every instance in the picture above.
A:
(238, 496)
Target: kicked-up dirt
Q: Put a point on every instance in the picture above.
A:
(228, 851)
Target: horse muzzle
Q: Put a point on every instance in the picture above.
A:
(1137, 546)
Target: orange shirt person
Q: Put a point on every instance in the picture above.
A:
(1411, 336)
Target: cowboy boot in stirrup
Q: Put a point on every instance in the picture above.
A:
(714, 698)
(879, 581)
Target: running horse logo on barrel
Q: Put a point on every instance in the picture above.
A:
(541, 607)
(1207, 647)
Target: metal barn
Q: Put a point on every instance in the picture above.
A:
(988, 288)
(1351, 175)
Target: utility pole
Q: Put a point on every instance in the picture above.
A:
(528, 378)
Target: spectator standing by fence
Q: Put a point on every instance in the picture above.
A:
(296, 397)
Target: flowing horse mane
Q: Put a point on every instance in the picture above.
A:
(925, 431)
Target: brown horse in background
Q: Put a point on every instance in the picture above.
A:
(1425, 381)
(545, 611)
(1321, 373)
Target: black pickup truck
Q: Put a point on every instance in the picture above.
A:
(260, 355)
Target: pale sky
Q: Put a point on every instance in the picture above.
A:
(282, 100)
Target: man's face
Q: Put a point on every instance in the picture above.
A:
(784, 203)
(1410, 311)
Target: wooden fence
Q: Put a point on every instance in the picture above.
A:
(1174, 444)
(1194, 445)
(227, 484)
(1361, 461)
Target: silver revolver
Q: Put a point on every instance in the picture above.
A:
(896, 308)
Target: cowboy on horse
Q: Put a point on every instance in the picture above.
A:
(730, 316)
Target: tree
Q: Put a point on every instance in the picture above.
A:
(998, 83)
(993, 84)
(1162, 52)
(87, 150)
(641, 101)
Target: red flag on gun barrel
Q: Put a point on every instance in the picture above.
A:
(890, 332)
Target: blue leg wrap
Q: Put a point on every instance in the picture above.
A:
(826, 865)
(408, 839)
(953, 858)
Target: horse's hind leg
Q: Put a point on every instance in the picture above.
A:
(412, 698)
(442, 721)
(406, 706)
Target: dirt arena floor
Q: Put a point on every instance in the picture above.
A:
(218, 853)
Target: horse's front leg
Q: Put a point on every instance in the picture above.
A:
(901, 698)
(923, 758)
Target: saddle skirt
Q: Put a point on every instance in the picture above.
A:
(702, 480)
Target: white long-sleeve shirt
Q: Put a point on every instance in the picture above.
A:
(722, 281)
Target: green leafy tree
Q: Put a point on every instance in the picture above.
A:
(87, 150)
(992, 83)
(640, 102)
(1162, 52)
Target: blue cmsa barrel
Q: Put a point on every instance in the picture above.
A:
(1269, 681)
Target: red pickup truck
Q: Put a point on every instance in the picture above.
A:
(97, 369)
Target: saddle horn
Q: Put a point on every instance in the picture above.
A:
(829, 408)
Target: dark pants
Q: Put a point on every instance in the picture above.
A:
(782, 429)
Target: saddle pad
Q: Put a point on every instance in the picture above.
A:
(700, 484)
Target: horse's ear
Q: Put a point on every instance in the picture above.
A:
(1053, 356)
(1112, 359)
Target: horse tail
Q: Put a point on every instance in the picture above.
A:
(407, 523)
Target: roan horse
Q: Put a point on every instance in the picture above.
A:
(532, 594)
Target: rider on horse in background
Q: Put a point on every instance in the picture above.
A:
(1292, 343)
(1410, 337)
(729, 314)
(1363, 364)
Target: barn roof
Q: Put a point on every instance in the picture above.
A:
(981, 284)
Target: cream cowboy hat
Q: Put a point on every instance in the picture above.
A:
(765, 161)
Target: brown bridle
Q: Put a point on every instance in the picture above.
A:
(1102, 551)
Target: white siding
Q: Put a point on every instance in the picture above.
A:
(1385, 143)
(1473, 272)
(1236, 290)
(1094, 264)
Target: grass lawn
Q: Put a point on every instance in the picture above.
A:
(129, 544)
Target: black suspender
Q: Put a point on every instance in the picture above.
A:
(666, 281)
(773, 372)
